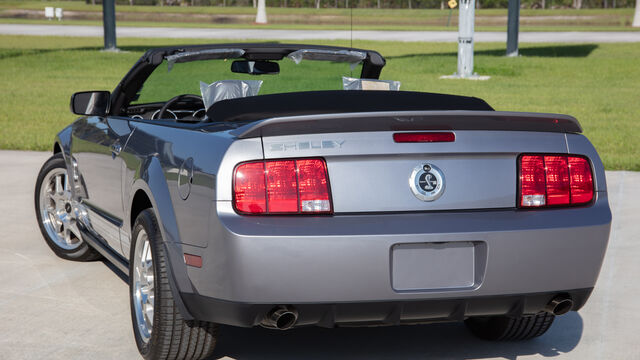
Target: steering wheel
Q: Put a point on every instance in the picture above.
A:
(175, 99)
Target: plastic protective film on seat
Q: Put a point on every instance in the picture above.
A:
(369, 84)
(228, 89)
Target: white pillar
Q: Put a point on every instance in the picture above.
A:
(465, 38)
(465, 43)
(261, 17)
(636, 17)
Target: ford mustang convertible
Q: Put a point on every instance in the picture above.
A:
(288, 185)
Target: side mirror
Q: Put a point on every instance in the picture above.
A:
(91, 103)
(255, 67)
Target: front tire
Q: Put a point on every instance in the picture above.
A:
(56, 213)
(160, 330)
(508, 328)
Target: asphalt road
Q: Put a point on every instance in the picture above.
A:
(56, 309)
(271, 34)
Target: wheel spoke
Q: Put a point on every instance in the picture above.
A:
(73, 228)
(149, 311)
(66, 183)
(146, 255)
(51, 214)
(59, 188)
(67, 234)
(59, 226)
(138, 273)
(149, 280)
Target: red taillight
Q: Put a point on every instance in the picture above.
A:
(532, 183)
(248, 188)
(282, 187)
(313, 186)
(557, 171)
(581, 180)
(416, 137)
(554, 180)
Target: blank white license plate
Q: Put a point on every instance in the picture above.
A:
(432, 266)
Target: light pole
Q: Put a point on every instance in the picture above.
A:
(512, 27)
(109, 23)
(465, 37)
(466, 24)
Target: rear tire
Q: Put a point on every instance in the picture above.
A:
(56, 214)
(507, 328)
(160, 330)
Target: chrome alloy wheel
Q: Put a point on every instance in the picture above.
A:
(57, 210)
(143, 286)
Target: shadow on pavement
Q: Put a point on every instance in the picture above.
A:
(448, 340)
(582, 50)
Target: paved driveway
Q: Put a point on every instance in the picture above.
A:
(299, 35)
(56, 309)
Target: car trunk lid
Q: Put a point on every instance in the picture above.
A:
(370, 172)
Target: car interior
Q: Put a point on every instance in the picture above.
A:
(193, 108)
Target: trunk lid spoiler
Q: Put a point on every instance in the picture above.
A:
(409, 121)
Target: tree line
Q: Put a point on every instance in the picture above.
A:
(386, 4)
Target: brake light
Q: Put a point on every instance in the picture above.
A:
(299, 186)
(554, 180)
(419, 137)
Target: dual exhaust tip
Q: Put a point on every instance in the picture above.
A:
(559, 305)
(281, 317)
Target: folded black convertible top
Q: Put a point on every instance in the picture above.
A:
(339, 101)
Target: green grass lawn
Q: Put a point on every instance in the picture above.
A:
(597, 83)
(344, 27)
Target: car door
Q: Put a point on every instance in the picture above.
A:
(96, 147)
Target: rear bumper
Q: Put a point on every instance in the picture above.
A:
(380, 313)
(339, 269)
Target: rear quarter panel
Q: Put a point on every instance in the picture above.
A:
(155, 156)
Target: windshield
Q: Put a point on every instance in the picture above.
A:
(185, 78)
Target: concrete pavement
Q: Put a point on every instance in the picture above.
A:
(57, 309)
(299, 35)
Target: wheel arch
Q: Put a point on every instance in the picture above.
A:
(150, 190)
(139, 203)
(62, 142)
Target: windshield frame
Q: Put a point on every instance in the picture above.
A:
(132, 82)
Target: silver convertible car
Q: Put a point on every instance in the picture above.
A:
(287, 185)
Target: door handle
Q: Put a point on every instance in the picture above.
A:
(116, 148)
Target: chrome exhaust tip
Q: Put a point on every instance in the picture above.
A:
(559, 305)
(280, 317)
